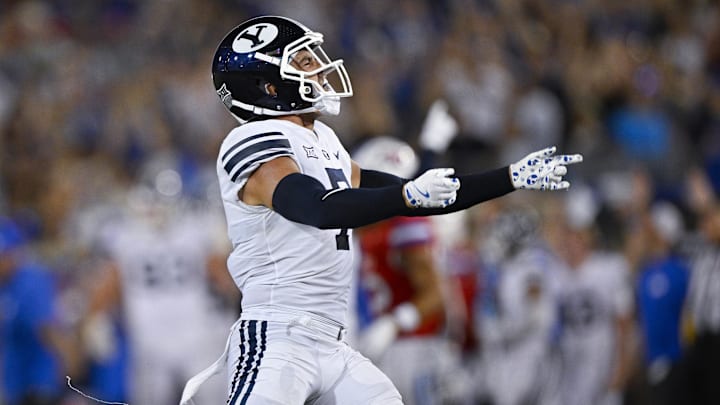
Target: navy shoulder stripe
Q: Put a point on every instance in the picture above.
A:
(258, 159)
(245, 153)
(248, 139)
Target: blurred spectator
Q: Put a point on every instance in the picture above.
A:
(704, 309)
(35, 349)
(661, 288)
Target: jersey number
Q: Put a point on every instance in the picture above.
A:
(338, 180)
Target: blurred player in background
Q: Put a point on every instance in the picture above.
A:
(516, 327)
(292, 194)
(596, 303)
(163, 255)
(405, 289)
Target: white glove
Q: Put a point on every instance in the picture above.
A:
(439, 128)
(377, 337)
(432, 189)
(540, 171)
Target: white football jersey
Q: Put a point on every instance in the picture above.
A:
(169, 307)
(591, 297)
(275, 262)
(164, 273)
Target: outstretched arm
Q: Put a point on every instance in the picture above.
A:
(278, 184)
(537, 171)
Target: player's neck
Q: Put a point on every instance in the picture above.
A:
(304, 120)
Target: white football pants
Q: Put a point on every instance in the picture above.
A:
(301, 360)
(294, 359)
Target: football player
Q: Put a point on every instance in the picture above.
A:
(595, 301)
(516, 327)
(405, 289)
(160, 274)
(292, 196)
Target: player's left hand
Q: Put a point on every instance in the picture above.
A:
(542, 171)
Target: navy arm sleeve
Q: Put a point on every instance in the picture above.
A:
(374, 178)
(301, 198)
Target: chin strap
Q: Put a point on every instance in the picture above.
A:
(268, 112)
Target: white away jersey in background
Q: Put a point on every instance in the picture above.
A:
(275, 262)
(164, 277)
(591, 297)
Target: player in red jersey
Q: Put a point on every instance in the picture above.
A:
(404, 290)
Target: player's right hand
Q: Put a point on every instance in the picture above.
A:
(377, 337)
(436, 188)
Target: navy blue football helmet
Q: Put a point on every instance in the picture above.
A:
(258, 53)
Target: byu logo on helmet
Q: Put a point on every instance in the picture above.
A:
(254, 37)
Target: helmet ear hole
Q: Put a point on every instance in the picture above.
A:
(270, 90)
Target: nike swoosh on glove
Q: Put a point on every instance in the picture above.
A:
(433, 189)
(541, 170)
